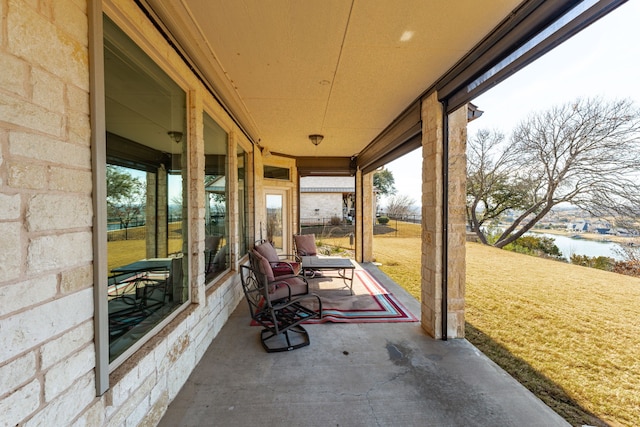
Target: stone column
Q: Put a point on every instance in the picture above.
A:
(196, 196)
(433, 269)
(151, 222)
(364, 217)
(457, 263)
(232, 202)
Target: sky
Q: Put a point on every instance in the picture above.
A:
(602, 60)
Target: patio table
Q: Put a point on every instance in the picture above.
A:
(151, 264)
(343, 266)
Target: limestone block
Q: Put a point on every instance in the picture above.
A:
(25, 114)
(180, 371)
(132, 398)
(10, 251)
(20, 404)
(77, 100)
(54, 351)
(79, 128)
(70, 180)
(17, 372)
(47, 89)
(58, 252)
(26, 29)
(146, 367)
(138, 413)
(159, 391)
(156, 411)
(10, 206)
(23, 331)
(27, 293)
(46, 212)
(71, 16)
(76, 279)
(68, 405)
(160, 358)
(94, 416)
(28, 176)
(67, 371)
(14, 76)
(49, 150)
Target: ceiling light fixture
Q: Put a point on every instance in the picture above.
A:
(316, 139)
(406, 36)
(175, 135)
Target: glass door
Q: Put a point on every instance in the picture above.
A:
(277, 219)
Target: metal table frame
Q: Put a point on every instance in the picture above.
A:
(341, 265)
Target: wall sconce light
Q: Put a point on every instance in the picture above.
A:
(316, 139)
(175, 135)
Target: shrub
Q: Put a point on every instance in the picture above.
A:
(383, 220)
(533, 245)
(335, 220)
(600, 262)
(628, 268)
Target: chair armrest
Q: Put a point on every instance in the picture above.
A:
(285, 267)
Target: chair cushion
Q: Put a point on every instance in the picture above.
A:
(289, 267)
(297, 285)
(267, 250)
(264, 266)
(306, 244)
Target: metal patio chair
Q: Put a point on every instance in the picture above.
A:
(279, 313)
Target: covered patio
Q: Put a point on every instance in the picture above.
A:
(366, 374)
(211, 112)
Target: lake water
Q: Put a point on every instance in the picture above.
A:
(569, 246)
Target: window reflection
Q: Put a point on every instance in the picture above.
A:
(216, 191)
(146, 193)
(275, 224)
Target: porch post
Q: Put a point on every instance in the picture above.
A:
(433, 224)
(364, 217)
(457, 263)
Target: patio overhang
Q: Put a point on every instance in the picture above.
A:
(357, 72)
(326, 166)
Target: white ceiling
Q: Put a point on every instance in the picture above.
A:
(341, 68)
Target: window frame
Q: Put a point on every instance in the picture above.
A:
(99, 161)
(210, 283)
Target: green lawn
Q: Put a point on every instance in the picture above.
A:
(570, 334)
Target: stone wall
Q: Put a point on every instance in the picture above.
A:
(47, 351)
(47, 356)
(320, 207)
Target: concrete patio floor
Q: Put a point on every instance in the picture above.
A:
(367, 374)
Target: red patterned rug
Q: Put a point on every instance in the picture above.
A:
(370, 302)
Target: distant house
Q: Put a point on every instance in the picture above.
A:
(579, 226)
(326, 197)
(602, 227)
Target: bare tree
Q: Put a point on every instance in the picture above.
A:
(586, 153)
(491, 189)
(400, 205)
(125, 196)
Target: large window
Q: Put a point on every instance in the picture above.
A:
(243, 202)
(146, 193)
(216, 190)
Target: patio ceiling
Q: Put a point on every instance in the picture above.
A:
(345, 69)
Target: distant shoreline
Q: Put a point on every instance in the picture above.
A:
(587, 236)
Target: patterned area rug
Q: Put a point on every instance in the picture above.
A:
(370, 302)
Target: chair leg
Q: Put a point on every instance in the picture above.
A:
(300, 339)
